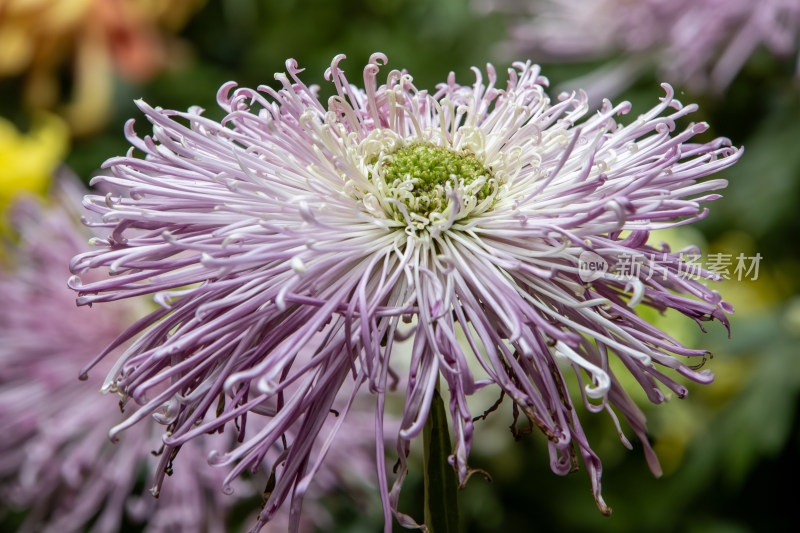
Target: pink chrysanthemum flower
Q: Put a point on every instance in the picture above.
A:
(700, 43)
(396, 213)
(56, 462)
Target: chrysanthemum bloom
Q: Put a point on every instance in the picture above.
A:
(57, 465)
(394, 213)
(700, 43)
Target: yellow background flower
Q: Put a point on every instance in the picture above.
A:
(28, 160)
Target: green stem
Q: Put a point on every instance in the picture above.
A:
(441, 484)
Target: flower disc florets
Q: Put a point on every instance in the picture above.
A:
(424, 184)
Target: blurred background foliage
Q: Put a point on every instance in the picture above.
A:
(729, 451)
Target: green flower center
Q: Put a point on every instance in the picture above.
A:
(418, 175)
(433, 165)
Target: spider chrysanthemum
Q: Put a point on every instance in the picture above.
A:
(455, 218)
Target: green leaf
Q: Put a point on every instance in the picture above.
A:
(441, 484)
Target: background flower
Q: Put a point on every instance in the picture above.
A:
(700, 44)
(56, 462)
(97, 39)
(27, 161)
